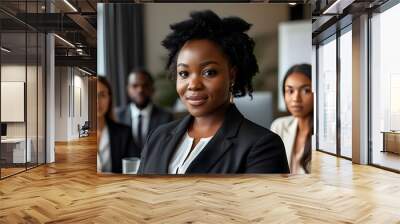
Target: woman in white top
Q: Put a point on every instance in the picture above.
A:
(296, 130)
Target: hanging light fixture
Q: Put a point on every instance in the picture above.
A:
(70, 5)
(5, 50)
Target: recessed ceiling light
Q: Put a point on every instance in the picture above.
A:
(292, 3)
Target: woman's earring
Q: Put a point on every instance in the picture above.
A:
(231, 91)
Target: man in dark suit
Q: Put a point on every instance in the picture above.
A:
(141, 114)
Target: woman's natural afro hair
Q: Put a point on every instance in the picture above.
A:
(228, 33)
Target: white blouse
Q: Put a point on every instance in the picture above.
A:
(104, 152)
(183, 157)
(286, 128)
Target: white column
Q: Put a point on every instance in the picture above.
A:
(314, 90)
(101, 65)
(50, 99)
(360, 90)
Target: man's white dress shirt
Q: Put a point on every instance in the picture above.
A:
(146, 116)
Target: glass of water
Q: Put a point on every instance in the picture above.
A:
(130, 165)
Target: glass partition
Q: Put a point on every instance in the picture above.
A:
(346, 93)
(22, 77)
(14, 153)
(41, 96)
(31, 98)
(327, 96)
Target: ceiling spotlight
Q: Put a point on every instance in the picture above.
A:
(5, 50)
(292, 3)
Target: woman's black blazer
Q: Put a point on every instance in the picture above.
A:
(121, 145)
(239, 146)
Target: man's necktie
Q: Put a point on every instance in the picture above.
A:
(139, 133)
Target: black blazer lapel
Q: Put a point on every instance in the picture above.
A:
(219, 144)
(210, 155)
(116, 148)
(167, 151)
(154, 119)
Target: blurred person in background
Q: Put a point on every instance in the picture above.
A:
(212, 61)
(115, 140)
(296, 130)
(141, 114)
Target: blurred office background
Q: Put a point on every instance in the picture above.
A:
(48, 78)
(130, 35)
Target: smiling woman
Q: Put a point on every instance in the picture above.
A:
(204, 77)
(212, 61)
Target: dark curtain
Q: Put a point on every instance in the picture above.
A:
(123, 27)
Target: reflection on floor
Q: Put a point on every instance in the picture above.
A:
(387, 159)
(10, 169)
(346, 152)
(70, 191)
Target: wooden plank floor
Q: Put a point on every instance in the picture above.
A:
(70, 191)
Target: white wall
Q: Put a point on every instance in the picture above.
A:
(12, 100)
(17, 73)
(33, 126)
(61, 103)
(294, 48)
(71, 96)
(14, 73)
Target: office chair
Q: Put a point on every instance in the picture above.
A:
(84, 130)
